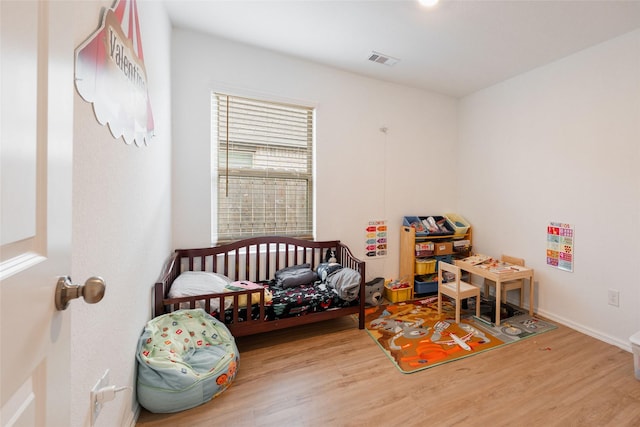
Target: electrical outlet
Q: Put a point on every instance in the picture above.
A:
(614, 298)
(96, 406)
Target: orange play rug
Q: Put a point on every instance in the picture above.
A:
(415, 337)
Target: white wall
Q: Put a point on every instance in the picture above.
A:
(362, 174)
(121, 225)
(561, 143)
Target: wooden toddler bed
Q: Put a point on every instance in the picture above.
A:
(256, 261)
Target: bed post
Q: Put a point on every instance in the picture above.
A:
(362, 294)
(158, 296)
(169, 273)
(348, 260)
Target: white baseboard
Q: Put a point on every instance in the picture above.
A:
(133, 416)
(625, 345)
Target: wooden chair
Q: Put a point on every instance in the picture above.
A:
(510, 285)
(456, 289)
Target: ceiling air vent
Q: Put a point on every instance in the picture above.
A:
(381, 58)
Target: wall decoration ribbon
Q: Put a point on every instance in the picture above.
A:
(110, 73)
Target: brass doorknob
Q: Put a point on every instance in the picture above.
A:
(92, 291)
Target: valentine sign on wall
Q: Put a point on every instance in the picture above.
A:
(560, 245)
(110, 73)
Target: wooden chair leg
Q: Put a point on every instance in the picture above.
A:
(521, 297)
(478, 305)
(458, 304)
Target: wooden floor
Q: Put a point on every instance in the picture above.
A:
(332, 374)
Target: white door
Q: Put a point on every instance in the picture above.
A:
(35, 235)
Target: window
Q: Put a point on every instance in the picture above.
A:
(263, 168)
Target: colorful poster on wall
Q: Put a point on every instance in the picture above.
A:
(560, 237)
(110, 73)
(376, 239)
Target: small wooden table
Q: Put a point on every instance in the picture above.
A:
(503, 272)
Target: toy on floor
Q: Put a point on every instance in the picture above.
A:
(373, 291)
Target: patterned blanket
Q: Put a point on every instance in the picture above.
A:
(296, 301)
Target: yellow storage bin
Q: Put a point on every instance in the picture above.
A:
(425, 266)
(395, 292)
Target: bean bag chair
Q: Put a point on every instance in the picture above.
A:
(185, 358)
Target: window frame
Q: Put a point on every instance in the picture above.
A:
(219, 187)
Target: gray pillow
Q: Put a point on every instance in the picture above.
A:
(295, 275)
(325, 269)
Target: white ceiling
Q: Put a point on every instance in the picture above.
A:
(456, 48)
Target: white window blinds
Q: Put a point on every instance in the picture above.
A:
(264, 168)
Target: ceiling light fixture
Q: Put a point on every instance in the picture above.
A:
(428, 3)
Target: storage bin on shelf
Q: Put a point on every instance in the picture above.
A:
(397, 291)
(418, 222)
(425, 284)
(462, 247)
(428, 283)
(425, 266)
(444, 258)
(443, 248)
(424, 249)
(457, 223)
